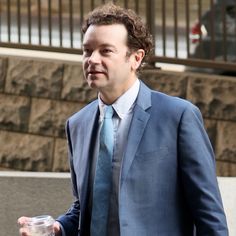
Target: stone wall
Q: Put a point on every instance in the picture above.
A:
(37, 96)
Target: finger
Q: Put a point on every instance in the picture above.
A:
(23, 232)
(56, 227)
(23, 220)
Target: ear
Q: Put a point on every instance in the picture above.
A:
(137, 58)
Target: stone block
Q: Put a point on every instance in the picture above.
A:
(41, 117)
(25, 152)
(211, 128)
(226, 145)
(14, 112)
(174, 84)
(75, 87)
(61, 161)
(3, 70)
(226, 169)
(48, 117)
(34, 78)
(214, 95)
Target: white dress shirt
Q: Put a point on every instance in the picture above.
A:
(123, 107)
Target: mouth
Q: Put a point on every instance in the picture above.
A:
(94, 72)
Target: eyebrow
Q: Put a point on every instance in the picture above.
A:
(102, 45)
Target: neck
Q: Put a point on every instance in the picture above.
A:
(110, 96)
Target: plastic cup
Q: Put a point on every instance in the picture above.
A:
(41, 226)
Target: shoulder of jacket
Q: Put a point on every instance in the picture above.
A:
(85, 112)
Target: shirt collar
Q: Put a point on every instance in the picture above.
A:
(124, 104)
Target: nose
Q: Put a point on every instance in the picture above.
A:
(94, 58)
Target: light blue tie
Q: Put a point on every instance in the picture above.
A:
(103, 175)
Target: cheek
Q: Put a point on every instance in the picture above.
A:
(85, 65)
(116, 66)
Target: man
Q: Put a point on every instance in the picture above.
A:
(163, 180)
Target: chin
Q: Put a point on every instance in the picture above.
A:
(94, 84)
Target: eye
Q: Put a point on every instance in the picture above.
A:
(106, 51)
(87, 52)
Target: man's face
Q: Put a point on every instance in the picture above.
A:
(105, 62)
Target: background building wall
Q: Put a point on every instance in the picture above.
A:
(37, 96)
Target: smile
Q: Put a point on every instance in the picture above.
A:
(95, 72)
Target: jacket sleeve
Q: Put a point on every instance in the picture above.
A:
(197, 163)
(70, 220)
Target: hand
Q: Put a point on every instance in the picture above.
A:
(22, 221)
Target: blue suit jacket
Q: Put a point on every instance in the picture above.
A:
(167, 181)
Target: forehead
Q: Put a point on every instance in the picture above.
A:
(106, 34)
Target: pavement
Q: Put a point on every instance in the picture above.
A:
(40, 193)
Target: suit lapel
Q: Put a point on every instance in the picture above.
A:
(137, 128)
(86, 157)
(89, 129)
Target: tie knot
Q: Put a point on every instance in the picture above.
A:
(109, 112)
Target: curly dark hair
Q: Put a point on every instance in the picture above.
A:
(139, 36)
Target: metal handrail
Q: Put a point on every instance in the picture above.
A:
(31, 24)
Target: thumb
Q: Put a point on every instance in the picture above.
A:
(57, 228)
